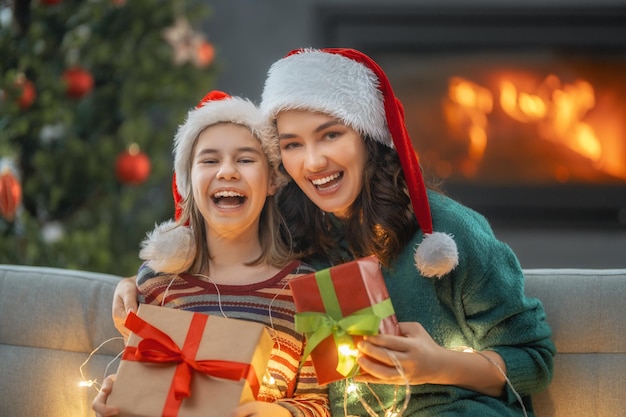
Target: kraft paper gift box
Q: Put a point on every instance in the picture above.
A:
(185, 364)
(335, 308)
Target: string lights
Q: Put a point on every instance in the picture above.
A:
(467, 349)
(351, 387)
(268, 379)
(84, 382)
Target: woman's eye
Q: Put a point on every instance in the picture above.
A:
(290, 145)
(332, 135)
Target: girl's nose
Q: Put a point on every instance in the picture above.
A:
(228, 171)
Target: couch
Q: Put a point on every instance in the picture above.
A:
(53, 321)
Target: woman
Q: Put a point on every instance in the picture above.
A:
(357, 190)
(223, 255)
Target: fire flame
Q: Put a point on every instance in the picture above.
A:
(557, 110)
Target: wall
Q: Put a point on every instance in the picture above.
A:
(251, 34)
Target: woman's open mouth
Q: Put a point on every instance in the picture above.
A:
(328, 182)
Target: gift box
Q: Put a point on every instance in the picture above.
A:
(185, 364)
(335, 308)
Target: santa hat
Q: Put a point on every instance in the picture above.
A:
(350, 86)
(170, 247)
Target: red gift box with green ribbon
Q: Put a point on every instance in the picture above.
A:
(336, 307)
(183, 364)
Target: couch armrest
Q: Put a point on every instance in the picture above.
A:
(51, 320)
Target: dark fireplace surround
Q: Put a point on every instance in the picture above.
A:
(421, 33)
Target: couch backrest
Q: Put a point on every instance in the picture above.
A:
(50, 321)
(587, 311)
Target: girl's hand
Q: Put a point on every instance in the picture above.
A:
(260, 409)
(99, 402)
(415, 351)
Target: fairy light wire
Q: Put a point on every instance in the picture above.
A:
(94, 382)
(468, 349)
(392, 411)
(267, 377)
(350, 386)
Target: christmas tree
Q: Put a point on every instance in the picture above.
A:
(91, 95)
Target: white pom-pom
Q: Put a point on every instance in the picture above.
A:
(436, 255)
(169, 248)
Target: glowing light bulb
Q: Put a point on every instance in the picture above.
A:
(86, 383)
(345, 350)
(352, 387)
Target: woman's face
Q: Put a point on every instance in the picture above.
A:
(324, 157)
(230, 178)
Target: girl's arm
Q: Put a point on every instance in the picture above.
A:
(309, 398)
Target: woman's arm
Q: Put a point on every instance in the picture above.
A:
(124, 301)
(425, 362)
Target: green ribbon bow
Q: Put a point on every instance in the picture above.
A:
(317, 326)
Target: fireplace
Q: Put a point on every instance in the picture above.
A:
(522, 112)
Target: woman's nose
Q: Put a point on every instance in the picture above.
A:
(314, 160)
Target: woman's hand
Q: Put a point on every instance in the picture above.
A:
(124, 301)
(423, 361)
(415, 351)
(259, 409)
(99, 402)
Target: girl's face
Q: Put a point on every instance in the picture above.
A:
(230, 179)
(324, 157)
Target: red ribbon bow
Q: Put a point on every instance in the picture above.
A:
(158, 347)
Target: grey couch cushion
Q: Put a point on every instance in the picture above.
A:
(51, 320)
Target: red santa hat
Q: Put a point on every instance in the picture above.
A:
(170, 247)
(350, 86)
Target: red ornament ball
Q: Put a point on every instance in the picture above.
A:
(10, 194)
(29, 93)
(79, 82)
(205, 53)
(132, 166)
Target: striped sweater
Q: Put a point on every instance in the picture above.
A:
(269, 302)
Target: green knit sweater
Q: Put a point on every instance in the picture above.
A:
(480, 304)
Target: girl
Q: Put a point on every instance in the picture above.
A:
(224, 255)
(472, 344)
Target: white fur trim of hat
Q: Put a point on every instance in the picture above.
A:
(331, 83)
